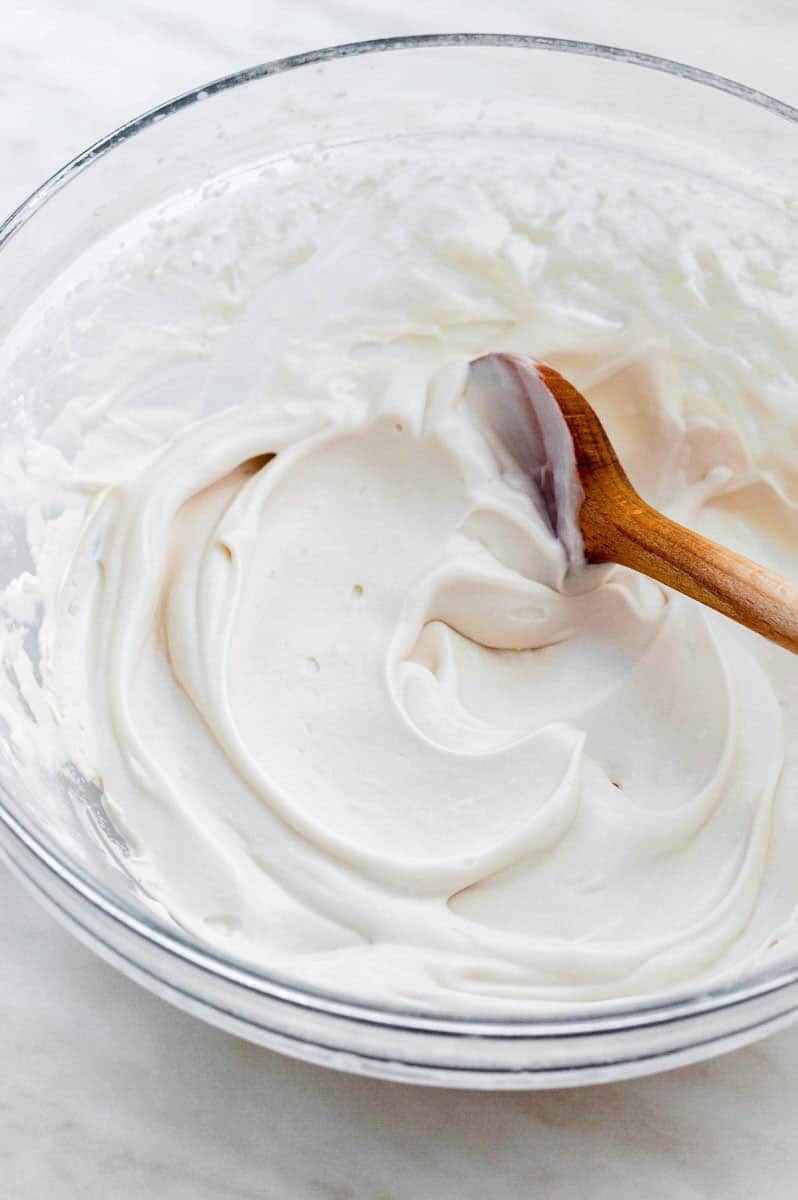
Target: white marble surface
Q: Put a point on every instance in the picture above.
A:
(106, 1092)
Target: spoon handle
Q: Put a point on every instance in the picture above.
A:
(644, 539)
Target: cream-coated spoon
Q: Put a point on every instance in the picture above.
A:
(618, 526)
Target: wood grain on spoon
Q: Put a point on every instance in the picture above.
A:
(617, 526)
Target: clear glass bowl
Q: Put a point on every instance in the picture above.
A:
(421, 87)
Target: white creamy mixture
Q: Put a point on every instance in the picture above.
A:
(307, 623)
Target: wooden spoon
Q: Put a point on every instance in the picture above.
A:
(617, 526)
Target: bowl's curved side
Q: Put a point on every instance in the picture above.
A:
(514, 1059)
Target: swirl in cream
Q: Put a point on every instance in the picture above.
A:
(342, 654)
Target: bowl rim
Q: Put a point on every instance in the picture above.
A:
(576, 1019)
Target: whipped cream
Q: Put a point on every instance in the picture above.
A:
(314, 623)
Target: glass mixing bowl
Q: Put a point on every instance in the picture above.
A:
(53, 832)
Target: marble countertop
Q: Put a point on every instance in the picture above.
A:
(106, 1091)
